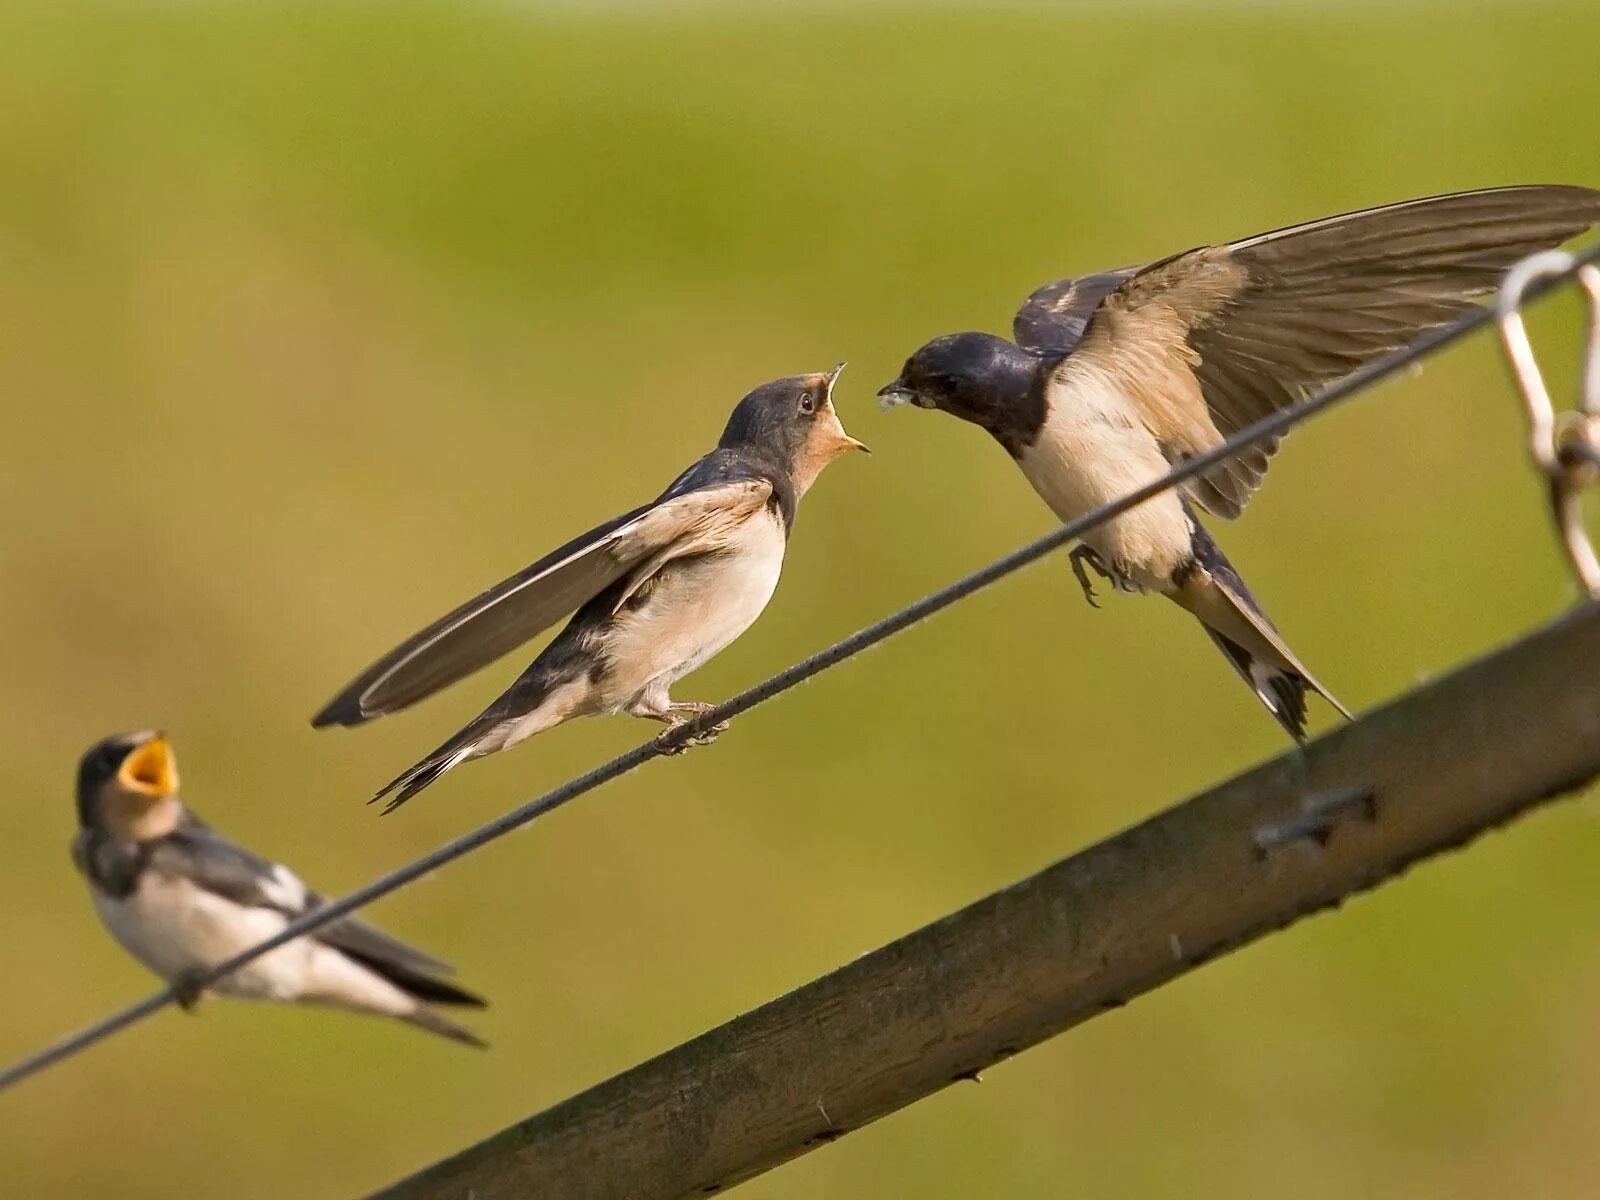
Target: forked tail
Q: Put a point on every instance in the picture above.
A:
(419, 775)
(1213, 591)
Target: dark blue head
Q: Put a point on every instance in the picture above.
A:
(790, 423)
(977, 377)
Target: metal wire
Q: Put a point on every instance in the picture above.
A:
(1274, 425)
(1567, 450)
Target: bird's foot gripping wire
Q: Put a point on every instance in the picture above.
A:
(1081, 555)
(671, 741)
(188, 987)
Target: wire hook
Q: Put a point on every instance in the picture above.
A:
(1566, 447)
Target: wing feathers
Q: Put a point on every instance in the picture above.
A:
(386, 955)
(514, 610)
(1535, 206)
(1053, 318)
(495, 621)
(198, 853)
(1258, 322)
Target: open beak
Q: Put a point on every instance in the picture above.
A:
(847, 442)
(895, 394)
(151, 770)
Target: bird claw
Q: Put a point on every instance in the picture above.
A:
(1080, 555)
(187, 988)
(672, 741)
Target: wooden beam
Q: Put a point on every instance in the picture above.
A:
(1426, 773)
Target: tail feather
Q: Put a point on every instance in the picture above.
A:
(419, 775)
(520, 712)
(1283, 693)
(418, 984)
(425, 1018)
(1213, 591)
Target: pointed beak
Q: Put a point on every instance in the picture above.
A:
(845, 441)
(151, 770)
(894, 395)
(829, 379)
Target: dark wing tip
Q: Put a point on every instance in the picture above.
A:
(370, 696)
(469, 999)
(1576, 203)
(338, 712)
(1576, 191)
(350, 707)
(437, 991)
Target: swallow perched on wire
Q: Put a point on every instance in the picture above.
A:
(658, 591)
(1115, 378)
(180, 898)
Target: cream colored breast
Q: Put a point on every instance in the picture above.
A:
(696, 609)
(1093, 449)
(171, 925)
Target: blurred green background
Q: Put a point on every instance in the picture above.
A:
(315, 318)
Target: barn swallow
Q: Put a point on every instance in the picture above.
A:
(1115, 378)
(180, 898)
(658, 591)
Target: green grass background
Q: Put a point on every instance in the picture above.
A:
(314, 318)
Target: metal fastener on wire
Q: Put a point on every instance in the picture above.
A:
(1566, 448)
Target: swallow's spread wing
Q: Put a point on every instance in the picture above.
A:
(689, 517)
(1211, 340)
(196, 852)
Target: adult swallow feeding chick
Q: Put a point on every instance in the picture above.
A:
(180, 897)
(658, 591)
(1115, 378)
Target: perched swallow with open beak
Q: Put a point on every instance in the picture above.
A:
(658, 591)
(180, 898)
(1115, 378)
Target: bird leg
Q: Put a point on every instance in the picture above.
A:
(187, 988)
(1080, 555)
(675, 714)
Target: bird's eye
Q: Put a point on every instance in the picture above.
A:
(808, 403)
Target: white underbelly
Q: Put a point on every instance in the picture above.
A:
(171, 926)
(1090, 451)
(696, 609)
